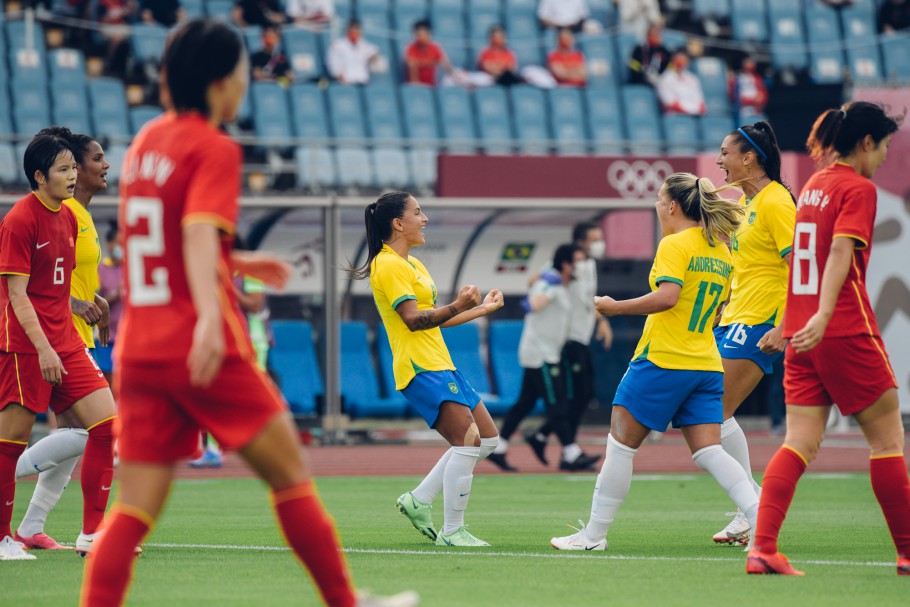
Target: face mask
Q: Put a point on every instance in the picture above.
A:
(117, 253)
(597, 249)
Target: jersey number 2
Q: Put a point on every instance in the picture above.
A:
(698, 321)
(139, 247)
(804, 266)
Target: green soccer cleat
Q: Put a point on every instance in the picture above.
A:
(459, 537)
(418, 513)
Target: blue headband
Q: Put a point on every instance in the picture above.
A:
(754, 145)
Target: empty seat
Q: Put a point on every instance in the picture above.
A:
(31, 111)
(567, 120)
(459, 54)
(148, 42)
(449, 31)
(359, 383)
(712, 72)
(424, 162)
(17, 37)
(864, 60)
(601, 61)
(383, 113)
(107, 106)
(271, 116)
(114, 155)
(625, 44)
(70, 108)
(493, 124)
(858, 21)
(896, 51)
(67, 67)
(303, 51)
(480, 20)
(407, 12)
(419, 105)
(309, 111)
(252, 38)
(788, 48)
(504, 336)
(6, 120)
(529, 116)
(675, 40)
(523, 35)
(642, 117)
(141, 114)
(220, 10)
(457, 119)
(719, 9)
(375, 19)
(355, 170)
(681, 133)
(346, 113)
(713, 131)
(27, 65)
(392, 169)
(463, 343)
(9, 168)
(293, 360)
(826, 57)
(749, 21)
(605, 125)
(315, 167)
(194, 9)
(387, 368)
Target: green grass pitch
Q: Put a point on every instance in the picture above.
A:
(217, 544)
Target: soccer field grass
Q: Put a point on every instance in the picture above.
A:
(217, 544)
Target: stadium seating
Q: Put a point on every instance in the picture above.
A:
(252, 37)
(463, 343)
(713, 129)
(642, 118)
(896, 52)
(719, 9)
(67, 67)
(27, 65)
(302, 48)
(141, 114)
(386, 368)
(863, 58)
(529, 115)
(713, 75)
(148, 42)
(392, 168)
(493, 124)
(522, 30)
(408, 12)
(749, 21)
(309, 111)
(675, 40)
(422, 124)
(70, 108)
(271, 115)
(605, 125)
(9, 168)
(826, 57)
(601, 60)
(424, 162)
(114, 155)
(457, 119)
(194, 9)
(31, 110)
(293, 360)
(315, 167)
(787, 38)
(357, 377)
(357, 171)
(219, 9)
(383, 113)
(567, 120)
(346, 113)
(107, 105)
(682, 134)
(625, 44)
(504, 336)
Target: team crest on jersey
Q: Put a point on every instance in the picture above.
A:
(751, 217)
(453, 388)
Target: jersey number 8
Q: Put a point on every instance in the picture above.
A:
(804, 260)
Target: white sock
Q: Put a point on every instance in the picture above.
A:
(48, 491)
(502, 447)
(52, 450)
(731, 477)
(611, 489)
(456, 482)
(733, 440)
(488, 446)
(571, 452)
(431, 484)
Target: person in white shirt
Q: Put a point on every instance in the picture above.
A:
(350, 58)
(563, 13)
(636, 16)
(679, 89)
(310, 11)
(545, 331)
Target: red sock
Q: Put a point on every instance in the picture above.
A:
(9, 456)
(109, 569)
(97, 473)
(310, 532)
(892, 490)
(777, 489)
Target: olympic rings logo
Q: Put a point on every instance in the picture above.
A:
(640, 179)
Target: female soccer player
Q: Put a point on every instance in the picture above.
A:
(43, 361)
(676, 373)
(55, 456)
(179, 205)
(749, 333)
(405, 296)
(836, 354)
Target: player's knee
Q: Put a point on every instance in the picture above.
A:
(890, 443)
(471, 436)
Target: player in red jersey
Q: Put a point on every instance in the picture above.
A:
(836, 354)
(184, 362)
(43, 361)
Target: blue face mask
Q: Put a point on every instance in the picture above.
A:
(117, 253)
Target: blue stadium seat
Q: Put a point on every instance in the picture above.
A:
(357, 376)
(675, 40)
(460, 55)
(463, 343)
(719, 9)
(148, 42)
(252, 38)
(524, 34)
(16, 36)
(392, 169)
(529, 119)
(424, 162)
(504, 336)
(858, 21)
(70, 108)
(315, 167)
(141, 114)
(302, 49)
(355, 169)
(67, 67)
(682, 134)
(457, 119)
(6, 120)
(107, 106)
(309, 111)
(383, 113)
(864, 60)
(642, 117)
(387, 369)
(31, 110)
(194, 9)
(27, 65)
(493, 124)
(605, 125)
(409, 11)
(713, 131)
(567, 120)
(480, 20)
(347, 114)
(375, 19)
(387, 67)
(9, 168)
(625, 44)
(450, 32)
(713, 75)
(601, 61)
(603, 11)
(788, 43)
(219, 10)
(293, 361)
(896, 51)
(344, 10)
(826, 57)
(271, 115)
(422, 124)
(749, 21)
(114, 154)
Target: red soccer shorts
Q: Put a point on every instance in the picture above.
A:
(851, 372)
(21, 381)
(161, 414)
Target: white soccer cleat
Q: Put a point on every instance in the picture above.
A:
(408, 598)
(85, 543)
(737, 532)
(577, 541)
(11, 550)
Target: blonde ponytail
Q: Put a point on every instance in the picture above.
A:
(700, 200)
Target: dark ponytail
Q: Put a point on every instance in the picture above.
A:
(765, 148)
(378, 218)
(840, 130)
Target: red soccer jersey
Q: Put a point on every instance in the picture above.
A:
(502, 58)
(834, 202)
(38, 242)
(179, 170)
(567, 59)
(428, 57)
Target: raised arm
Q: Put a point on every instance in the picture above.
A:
(422, 320)
(661, 300)
(492, 302)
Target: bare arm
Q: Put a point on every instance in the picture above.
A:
(661, 300)
(51, 367)
(200, 253)
(104, 323)
(422, 320)
(836, 269)
(492, 302)
(772, 342)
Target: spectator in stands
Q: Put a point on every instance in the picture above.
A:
(637, 16)
(894, 16)
(350, 57)
(650, 58)
(163, 12)
(318, 12)
(114, 40)
(498, 60)
(270, 63)
(679, 89)
(747, 89)
(258, 12)
(566, 63)
(423, 57)
(563, 13)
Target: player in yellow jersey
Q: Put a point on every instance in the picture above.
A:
(749, 332)
(54, 457)
(405, 296)
(676, 374)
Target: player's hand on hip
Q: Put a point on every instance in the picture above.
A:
(773, 342)
(51, 366)
(468, 297)
(493, 301)
(207, 351)
(810, 335)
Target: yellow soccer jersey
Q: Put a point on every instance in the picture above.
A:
(681, 337)
(85, 282)
(394, 280)
(759, 247)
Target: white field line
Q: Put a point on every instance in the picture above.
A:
(823, 476)
(555, 555)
